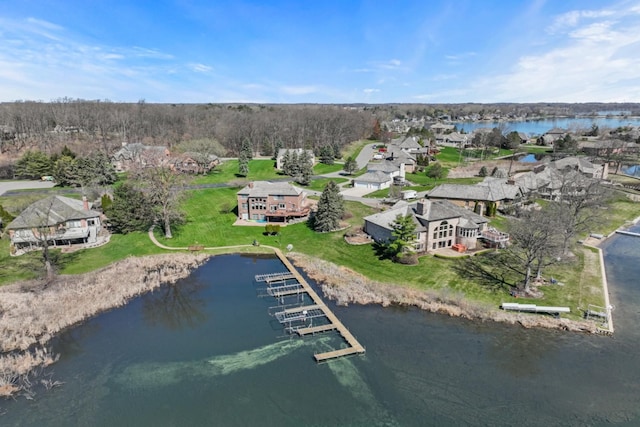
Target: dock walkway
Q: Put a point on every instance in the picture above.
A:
(354, 347)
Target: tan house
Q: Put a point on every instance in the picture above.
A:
(439, 224)
(480, 196)
(58, 220)
(265, 201)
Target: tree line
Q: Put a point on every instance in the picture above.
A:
(86, 125)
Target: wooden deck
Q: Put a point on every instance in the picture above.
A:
(316, 329)
(354, 346)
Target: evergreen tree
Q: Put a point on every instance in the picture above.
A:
(129, 211)
(33, 165)
(403, 236)
(66, 151)
(305, 171)
(287, 163)
(326, 155)
(330, 209)
(247, 149)
(276, 149)
(350, 166)
(65, 171)
(483, 171)
(243, 165)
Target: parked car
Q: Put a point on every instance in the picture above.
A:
(46, 178)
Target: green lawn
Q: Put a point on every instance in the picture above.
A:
(321, 168)
(259, 170)
(353, 149)
(319, 184)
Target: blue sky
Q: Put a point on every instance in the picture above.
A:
(321, 51)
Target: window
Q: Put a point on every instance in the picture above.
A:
(74, 224)
(282, 206)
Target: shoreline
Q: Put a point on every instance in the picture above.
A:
(31, 313)
(346, 287)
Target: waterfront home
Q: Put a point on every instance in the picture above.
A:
(58, 221)
(266, 201)
(440, 224)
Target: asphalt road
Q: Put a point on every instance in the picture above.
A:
(23, 185)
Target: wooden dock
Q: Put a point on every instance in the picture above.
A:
(354, 347)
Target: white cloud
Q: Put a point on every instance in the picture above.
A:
(369, 90)
(200, 68)
(573, 18)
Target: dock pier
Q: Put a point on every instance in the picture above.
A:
(301, 314)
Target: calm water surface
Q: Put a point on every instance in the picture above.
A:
(207, 353)
(539, 127)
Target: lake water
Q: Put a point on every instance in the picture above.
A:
(207, 353)
(539, 127)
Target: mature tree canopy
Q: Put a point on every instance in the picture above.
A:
(33, 165)
(330, 209)
(164, 190)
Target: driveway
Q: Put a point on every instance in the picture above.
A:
(23, 185)
(365, 155)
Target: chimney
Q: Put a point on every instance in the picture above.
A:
(251, 184)
(423, 207)
(85, 203)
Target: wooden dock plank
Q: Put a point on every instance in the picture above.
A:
(316, 329)
(321, 357)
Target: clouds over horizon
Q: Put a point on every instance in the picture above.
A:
(580, 54)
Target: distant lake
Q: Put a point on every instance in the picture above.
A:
(207, 353)
(539, 127)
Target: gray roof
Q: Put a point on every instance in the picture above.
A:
(131, 150)
(492, 191)
(374, 176)
(578, 163)
(51, 211)
(385, 166)
(435, 210)
(267, 188)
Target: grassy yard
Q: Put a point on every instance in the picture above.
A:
(321, 168)
(353, 149)
(259, 170)
(319, 184)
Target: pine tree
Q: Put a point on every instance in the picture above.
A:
(330, 209)
(246, 149)
(326, 155)
(305, 168)
(243, 165)
(403, 236)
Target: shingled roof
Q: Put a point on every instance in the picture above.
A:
(268, 188)
(51, 211)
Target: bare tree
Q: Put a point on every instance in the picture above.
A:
(164, 189)
(534, 244)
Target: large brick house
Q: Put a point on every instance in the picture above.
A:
(266, 201)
